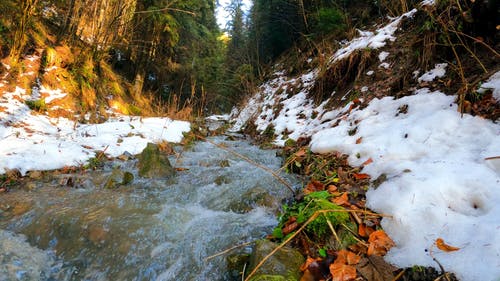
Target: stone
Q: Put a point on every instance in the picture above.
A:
(283, 265)
(154, 164)
(254, 197)
(36, 175)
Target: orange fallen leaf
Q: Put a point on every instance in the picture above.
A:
(380, 243)
(313, 186)
(306, 264)
(180, 169)
(361, 176)
(445, 247)
(290, 228)
(359, 140)
(301, 152)
(364, 231)
(369, 161)
(341, 200)
(347, 257)
(342, 272)
(332, 188)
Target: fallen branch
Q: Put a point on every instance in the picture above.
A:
(228, 250)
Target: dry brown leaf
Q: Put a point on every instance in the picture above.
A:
(341, 200)
(369, 161)
(332, 188)
(290, 228)
(445, 247)
(347, 257)
(342, 272)
(365, 231)
(300, 153)
(359, 140)
(374, 268)
(306, 264)
(380, 243)
(307, 276)
(313, 186)
(360, 176)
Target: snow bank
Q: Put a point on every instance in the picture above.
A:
(492, 84)
(372, 40)
(31, 141)
(438, 185)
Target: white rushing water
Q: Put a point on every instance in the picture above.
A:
(149, 230)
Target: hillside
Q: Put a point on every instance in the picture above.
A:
(425, 129)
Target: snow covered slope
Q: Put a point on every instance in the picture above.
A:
(442, 169)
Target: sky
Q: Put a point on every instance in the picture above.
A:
(223, 15)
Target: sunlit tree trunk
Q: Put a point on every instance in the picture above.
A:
(27, 9)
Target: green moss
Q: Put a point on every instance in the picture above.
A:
(37, 105)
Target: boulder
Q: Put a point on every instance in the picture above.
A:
(254, 197)
(154, 164)
(283, 265)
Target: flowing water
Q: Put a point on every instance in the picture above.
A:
(148, 230)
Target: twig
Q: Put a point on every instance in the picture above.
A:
(399, 275)
(492, 158)
(439, 264)
(332, 229)
(274, 174)
(243, 272)
(228, 250)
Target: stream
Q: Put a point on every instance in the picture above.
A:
(146, 230)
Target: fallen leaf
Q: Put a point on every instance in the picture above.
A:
(347, 257)
(341, 200)
(379, 243)
(360, 176)
(307, 276)
(342, 272)
(180, 169)
(364, 230)
(290, 228)
(369, 161)
(445, 247)
(374, 268)
(300, 153)
(332, 188)
(306, 264)
(359, 140)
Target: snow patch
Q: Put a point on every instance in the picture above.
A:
(439, 183)
(492, 84)
(373, 40)
(438, 72)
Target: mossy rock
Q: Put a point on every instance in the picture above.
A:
(154, 164)
(254, 197)
(283, 265)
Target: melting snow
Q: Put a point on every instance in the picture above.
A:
(438, 71)
(492, 84)
(373, 40)
(33, 141)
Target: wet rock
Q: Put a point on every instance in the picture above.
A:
(221, 180)
(35, 175)
(97, 235)
(283, 265)
(117, 178)
(154, 164)
(21, 208)
(235, 264)
(254, 197)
